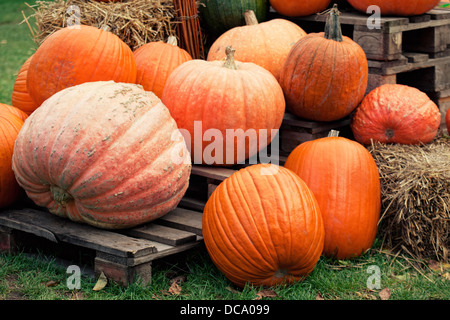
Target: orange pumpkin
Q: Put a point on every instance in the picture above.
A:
(325, 75)
(398, 7)
(344, 178)
(126, 167)
(447, 120)
(72, 56)
(20, 97)
(267, 44)
(296, 8)
(395, 113)
(10, 125)
(22, 115)
(263, 226)
(155, 61)
(218, 105)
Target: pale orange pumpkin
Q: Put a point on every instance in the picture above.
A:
(103, 153)
(226, 100)
(267, 44)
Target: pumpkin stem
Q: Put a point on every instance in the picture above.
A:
(172, 40)
(333, 29)
(333, 133)
(250, 18)
(60, 196)
(229, 62)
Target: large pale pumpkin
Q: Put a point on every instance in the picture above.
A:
(263, 226)
(395, 113)
(222, 15)
(267, 44)
(75, 55)
(20, 97)
(228, 111)
(397, 7)
(103, 153)
(155, 61)
(344, 178)
(297, 8)
(10, 125)
(325, 75)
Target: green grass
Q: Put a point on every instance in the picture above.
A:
(30, 278)
(16, 44)
(24, 277)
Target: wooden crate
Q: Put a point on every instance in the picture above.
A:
(123, 255)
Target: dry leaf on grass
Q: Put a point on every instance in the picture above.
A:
(265, 294)
(101, 282)
(385, 294)
(51, 283)
(175, 288)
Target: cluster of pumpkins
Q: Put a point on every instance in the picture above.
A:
(96, 137)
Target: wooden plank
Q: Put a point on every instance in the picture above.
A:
(183, 219)
(80, 234)
(26, 227)
(162, 234)
(217, 173)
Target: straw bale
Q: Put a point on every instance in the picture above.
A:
(415, 195)
(136, 22)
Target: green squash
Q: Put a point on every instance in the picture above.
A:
(219, 16)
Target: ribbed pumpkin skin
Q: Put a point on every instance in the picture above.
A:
(222, 15)
(20, 97)
(22, 115)
(344, 178)
(394, 113)
(113, 171)
(155, 61)
(72, 56)
(296, 8)
(398, 7)
(266, 44)
(317, 81)
(262, 226)
(10, 125)
(248, 98)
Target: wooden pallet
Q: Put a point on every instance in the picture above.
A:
(123, 256)
(295, 131)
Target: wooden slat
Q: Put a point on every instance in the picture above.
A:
(216, 173)
(64, 230)
(162, 234)
(183, 219)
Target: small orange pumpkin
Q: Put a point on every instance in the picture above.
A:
(155, 61)
(22, 115)
(263, 226)
(297, 8)
(20, 97)
(344, 178)
(395, 113)
(75, 55)
(325, 75)
(10, 126)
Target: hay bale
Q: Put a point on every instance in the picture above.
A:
(415, 197)
(136, 22)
